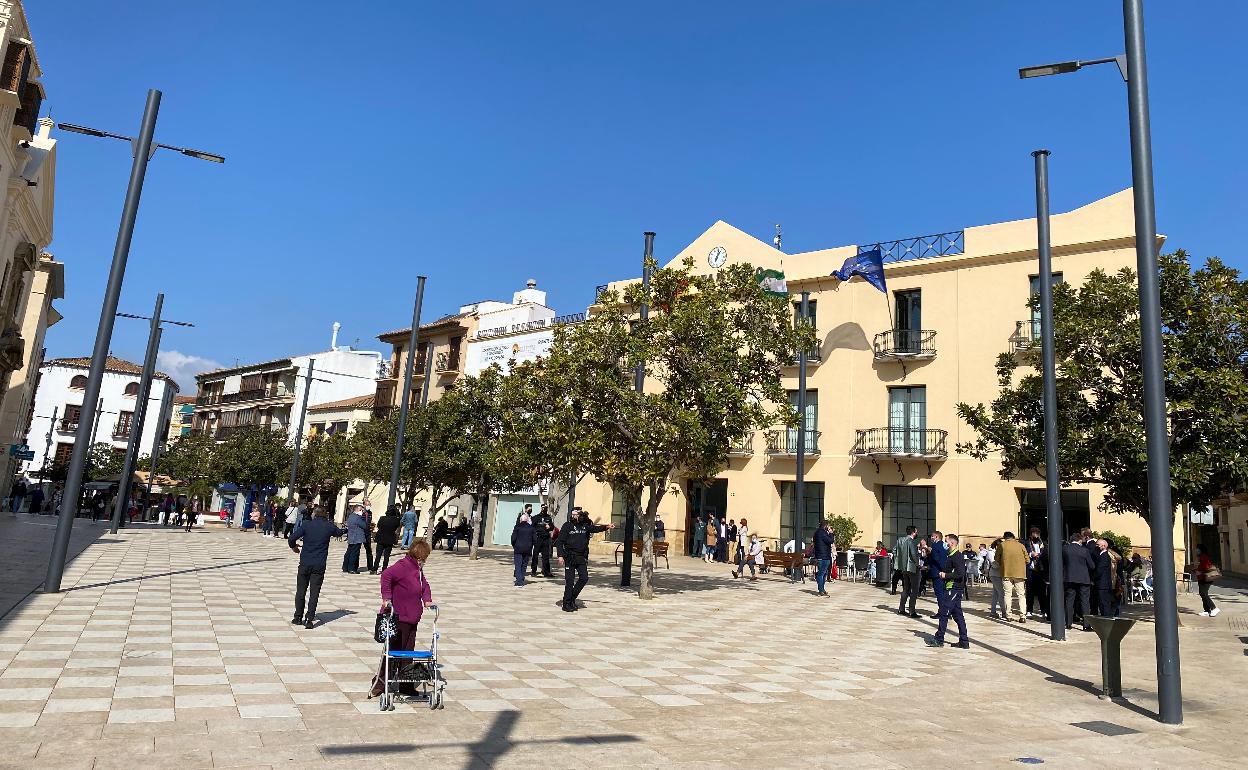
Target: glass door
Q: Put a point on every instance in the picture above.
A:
(1034, 291)
(907, 420)
(908, 322)
(811, 421)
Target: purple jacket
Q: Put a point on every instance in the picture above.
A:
(404, 585)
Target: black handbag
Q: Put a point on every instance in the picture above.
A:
(384, 628)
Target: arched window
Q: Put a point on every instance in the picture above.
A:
(79, 382)
(132, 389)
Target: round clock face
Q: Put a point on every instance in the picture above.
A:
(717, 257)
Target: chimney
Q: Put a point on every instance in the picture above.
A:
(333, 342)
(45, 128)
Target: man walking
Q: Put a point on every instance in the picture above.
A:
(290, 520)
(543, 532)
(315, 535)
(906, 551)
(936, 562)
(522, 544)
(953, 580)
(410, 519)
(1013, 559)
(357, 535)
(1079, 569)
(573, 546)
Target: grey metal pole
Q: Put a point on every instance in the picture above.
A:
(1160, 507)
(47, 445)
(407, 392)
(799, 488)
(639, 382)
(103, 338)
(162, 431)
(140, 413)
(1052, 477)
(303, 411)
(95, 428)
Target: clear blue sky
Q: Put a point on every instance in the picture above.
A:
(483, 143)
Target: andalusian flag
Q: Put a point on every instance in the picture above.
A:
(773, 282)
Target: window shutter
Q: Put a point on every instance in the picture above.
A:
(16, 67)
(28, 113)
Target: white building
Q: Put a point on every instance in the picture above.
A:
(271, 393)
(58, 403)
(507, 334)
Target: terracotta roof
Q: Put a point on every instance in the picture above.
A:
(184, 399)
(359, 402)
(406, 330)
(113, 364)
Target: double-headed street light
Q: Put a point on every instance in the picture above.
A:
(143, 147)
(1134, 69)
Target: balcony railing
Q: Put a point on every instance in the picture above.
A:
(783, 443)
(570, 318)
(920, 247)
(121, 432)
(1026, 336)
(905, 343)
(742, 447)
(252, 394)
(448, 362)
(68, 425)
(923, 444)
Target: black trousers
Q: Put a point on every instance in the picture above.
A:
(1082, 591)
(383, 556)
(575, 576)
(368, 550)
(1206, 603)
(310, 577)
(909, 591)
(541, 550)
(1105, 600)
(351, 558)
(1037, 594)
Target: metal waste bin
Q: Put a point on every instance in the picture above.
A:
(1111, 631)
(883, 570)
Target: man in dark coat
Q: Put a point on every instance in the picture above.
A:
(906, 563)
(1079, 569)
(573, 546)
(522, 545)
(543, 534)
(1089, 543)
(1103, 580)
(951, 577)
(315, 533)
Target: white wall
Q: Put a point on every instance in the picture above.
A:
(350, 373)
(503, 350)
(54, 393)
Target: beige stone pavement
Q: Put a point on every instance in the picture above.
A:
(175, 650)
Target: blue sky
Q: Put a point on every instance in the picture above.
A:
(484, 143)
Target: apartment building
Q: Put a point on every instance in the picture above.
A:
(883, 385)
(182, 418)
(58, 405)
(29, 279)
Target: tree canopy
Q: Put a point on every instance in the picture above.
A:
(1100, 388)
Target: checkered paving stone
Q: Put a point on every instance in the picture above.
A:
(164, 626)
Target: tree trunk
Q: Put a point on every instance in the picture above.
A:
(658, 488)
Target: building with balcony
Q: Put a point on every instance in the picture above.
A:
(882, 388)
(271, 393)
(58, 406)
(29, 278)
(182, 418)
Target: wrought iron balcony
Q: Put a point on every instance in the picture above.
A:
(742, 447)
(813, 356)
(905, 343)
(68, 425)
(1026, 336)
(256, 394)
(921, 444)
(448, 363)
(570, 318)
(121, 432)
(783, 443)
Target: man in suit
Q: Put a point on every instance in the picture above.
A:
(1104, 580)
(906, 558)
(1079, 569)
(936, 563)
(1089, 543)
(315, 534)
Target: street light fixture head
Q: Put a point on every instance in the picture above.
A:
(1042, 70)
(81, 129)
(203, 155)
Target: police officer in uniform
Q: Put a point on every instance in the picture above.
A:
(573, 547)
(543, 528)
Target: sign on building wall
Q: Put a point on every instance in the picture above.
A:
(502, 351)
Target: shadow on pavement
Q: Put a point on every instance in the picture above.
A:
(173, 572)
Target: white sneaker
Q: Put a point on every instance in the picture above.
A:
(1214, 612)
(1204, 614)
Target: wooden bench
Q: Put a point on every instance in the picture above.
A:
(785, 562)
(658, 546)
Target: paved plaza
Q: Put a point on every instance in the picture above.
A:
(175, 649)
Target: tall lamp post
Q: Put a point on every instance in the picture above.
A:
(799, 486)
(639, 382)
(303, 412)
(1052, 476)
(143, 146)
(1134, 69)
(407, 392)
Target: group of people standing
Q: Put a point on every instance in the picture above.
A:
(1095, 574)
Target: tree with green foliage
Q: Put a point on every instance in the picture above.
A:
(104, 461)
(191, 461)
(252, 455)
(326, 463)
(1100, 392)
(845, 530)
(712, 350)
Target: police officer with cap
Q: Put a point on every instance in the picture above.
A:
(573, 548)
(543, 527)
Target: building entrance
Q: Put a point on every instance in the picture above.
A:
(706, 499)
(1076, 513)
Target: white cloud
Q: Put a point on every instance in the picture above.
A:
(183, 368)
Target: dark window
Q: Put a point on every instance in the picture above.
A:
(63, 451)
(123, 424)
(132, 389)
(337, 427)
(16, 67)
(812, 317)
(317, 428)
(908, 321)
(812, 491)
(904, 506)
(79, 382)
(1033, 290)
(907, 420)
(187, 417)
(619, 509)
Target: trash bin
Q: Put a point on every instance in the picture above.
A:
(883, 570)
(1111, 631)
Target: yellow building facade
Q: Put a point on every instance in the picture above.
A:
(883, 387)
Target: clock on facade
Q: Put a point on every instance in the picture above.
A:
(717, 257)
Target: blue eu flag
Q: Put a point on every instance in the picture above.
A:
(868, 264)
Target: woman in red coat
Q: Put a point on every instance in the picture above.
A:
(1204, 565)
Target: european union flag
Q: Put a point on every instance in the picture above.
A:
(868, 264)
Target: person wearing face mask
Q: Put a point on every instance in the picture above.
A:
(1037, 576)
(950, 575)
(522, 544)
(573, 549)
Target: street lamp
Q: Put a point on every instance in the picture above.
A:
(1134, 69)
(406, 398)
(143, 147)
